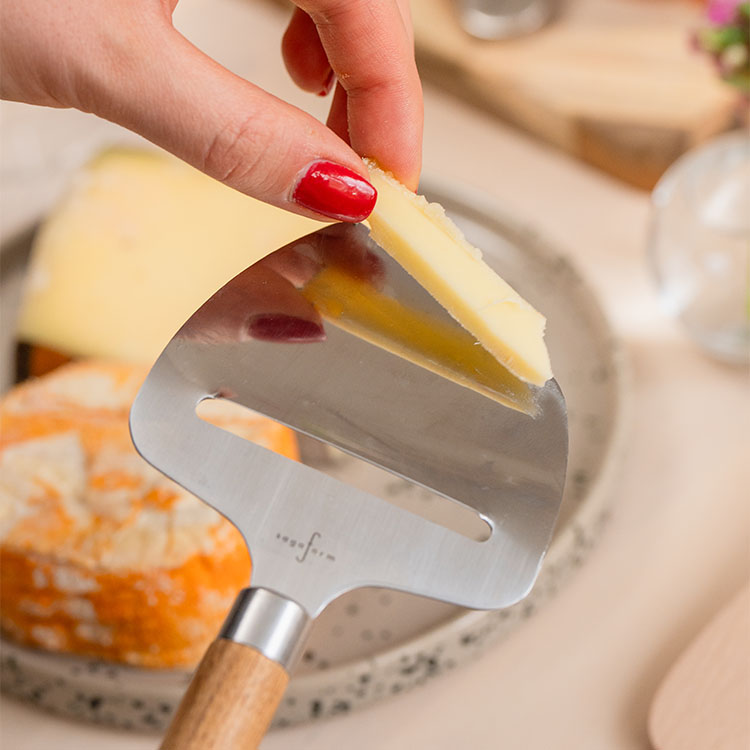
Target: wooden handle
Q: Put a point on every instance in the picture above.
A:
(230, 701)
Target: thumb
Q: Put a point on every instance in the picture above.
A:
(180, 99)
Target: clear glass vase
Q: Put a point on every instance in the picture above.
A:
(699, 244)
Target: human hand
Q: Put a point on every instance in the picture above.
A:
(124, 60)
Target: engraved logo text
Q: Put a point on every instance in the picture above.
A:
(309, 549)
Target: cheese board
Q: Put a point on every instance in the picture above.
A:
(614, 83)
(375, 643)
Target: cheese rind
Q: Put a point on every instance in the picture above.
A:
(433, 250)
(139, 242)
(100, 554)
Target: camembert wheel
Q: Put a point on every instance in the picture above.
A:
(100, 554)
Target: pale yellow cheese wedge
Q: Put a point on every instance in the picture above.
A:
(445, 348)
(432, 249)
(140, 241)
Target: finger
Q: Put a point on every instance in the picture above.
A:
(370, 50)
(184, 101)
(338, 118)
(404, 7)
(304, 56)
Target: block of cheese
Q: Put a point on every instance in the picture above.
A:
(139, 242)
(355, 305)
(433, 250)
(100, 554)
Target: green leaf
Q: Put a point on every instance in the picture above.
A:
(739, 81)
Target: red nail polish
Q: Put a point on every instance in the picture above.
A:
(328, 84)
(280, 327)
(335, 191)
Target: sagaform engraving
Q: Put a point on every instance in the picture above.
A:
(309, 549)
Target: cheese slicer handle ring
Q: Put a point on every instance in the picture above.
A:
(241, 679)
(271, 623)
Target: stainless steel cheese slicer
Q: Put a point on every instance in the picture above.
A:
(332, 338)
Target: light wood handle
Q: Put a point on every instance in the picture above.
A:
(230, 701)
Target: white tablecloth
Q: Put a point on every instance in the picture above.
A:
(582, 672)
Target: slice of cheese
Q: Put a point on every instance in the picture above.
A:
(432, 249)
(445, 348)
(136, 246)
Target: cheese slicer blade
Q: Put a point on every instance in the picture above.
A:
(331, 337)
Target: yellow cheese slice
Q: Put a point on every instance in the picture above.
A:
(138, 243)
(354, 305)
(432, 249)
(142, 239)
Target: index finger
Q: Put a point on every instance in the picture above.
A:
(369, 47)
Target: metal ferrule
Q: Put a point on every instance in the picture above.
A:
(269, 623)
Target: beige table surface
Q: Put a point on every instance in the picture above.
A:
(582, 672)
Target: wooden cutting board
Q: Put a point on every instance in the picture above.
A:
(704, 701)
(613, 82)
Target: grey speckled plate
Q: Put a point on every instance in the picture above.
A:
(373, 643)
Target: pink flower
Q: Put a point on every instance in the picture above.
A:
(722, 12)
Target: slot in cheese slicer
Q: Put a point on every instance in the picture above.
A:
(352, 351)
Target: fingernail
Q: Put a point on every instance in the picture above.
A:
(280, 327)
(328, 84)
(334, 191)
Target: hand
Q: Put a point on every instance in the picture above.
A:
(123, 60)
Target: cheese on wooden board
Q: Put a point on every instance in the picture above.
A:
(433, 250)
(139, 242)
(100, 554)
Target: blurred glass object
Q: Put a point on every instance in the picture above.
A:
(502, 19)
(700, 245)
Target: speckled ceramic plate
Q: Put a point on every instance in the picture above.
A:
(372, 643)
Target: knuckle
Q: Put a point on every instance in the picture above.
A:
(374, 82)
(234, 154)
(330, 11)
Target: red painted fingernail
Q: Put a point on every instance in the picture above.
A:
(334, 191)
(280, 327)
(328, 84)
